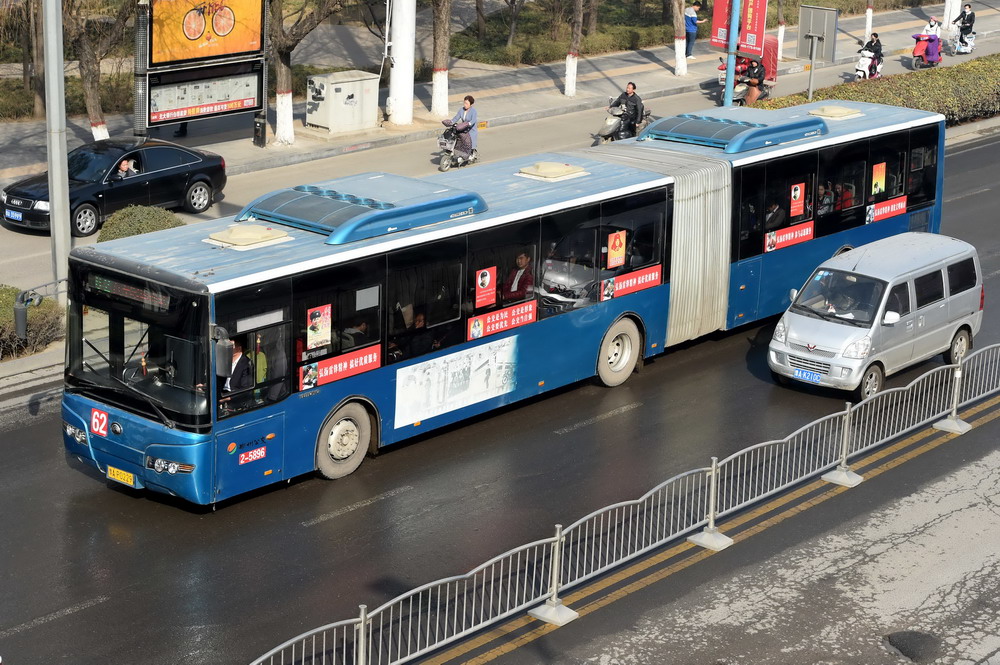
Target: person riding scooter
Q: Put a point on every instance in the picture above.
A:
(754, 78)
(926, 51)
(933, 27)
(875, 46)
(965, 21)
(632, 103)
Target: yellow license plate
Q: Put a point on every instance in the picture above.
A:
(121, 476)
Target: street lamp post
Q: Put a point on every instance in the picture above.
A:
(55, 125)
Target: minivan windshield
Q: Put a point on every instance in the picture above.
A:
(844, 297)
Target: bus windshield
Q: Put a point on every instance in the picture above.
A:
(139, 345)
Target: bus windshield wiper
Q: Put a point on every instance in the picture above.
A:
(128, 389)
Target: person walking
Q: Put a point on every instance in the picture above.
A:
(691, 22)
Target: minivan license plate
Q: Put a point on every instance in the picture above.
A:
(13, 214)
(806, 375)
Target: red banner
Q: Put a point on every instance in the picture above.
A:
(793, 235)
(622, 285)
(340, 367)
(720, 24)
(890, 208)
(502, 319)
(752, 27)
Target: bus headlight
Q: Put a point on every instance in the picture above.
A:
(160, 465)
(76, 433)
(779, 332)
(859, 348)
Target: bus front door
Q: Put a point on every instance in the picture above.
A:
(744, 290)
(249, 454)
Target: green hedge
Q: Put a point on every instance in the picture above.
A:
(45, 325)
(962, 93)
(136, 220)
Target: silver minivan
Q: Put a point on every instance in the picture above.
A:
(880, 308)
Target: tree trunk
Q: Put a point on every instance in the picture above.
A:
(37, 60)
(781, 30)
(441, 57)
(90, 79)
(284, 130)
(592, 16)
(680, 39)
(574, 48)
(481, 20)
(515, 11)
(665, 12)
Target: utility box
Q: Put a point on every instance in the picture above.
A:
(342, 101)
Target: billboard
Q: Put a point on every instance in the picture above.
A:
(193, 30)
(204, 92)
(753, 14)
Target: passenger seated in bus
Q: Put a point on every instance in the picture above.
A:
(242, 377)
(843, 196)
(415, 341)
(824, 199)
(775, 217)
(358, 333)
(520, 283)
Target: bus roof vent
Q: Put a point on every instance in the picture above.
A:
(552, 171)
(242, 235)
(729, 134)
(834, 112)
(363, 206)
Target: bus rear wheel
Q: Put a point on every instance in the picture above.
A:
(620, 352)
(343, 441)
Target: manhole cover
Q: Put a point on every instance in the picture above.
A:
(918, 647)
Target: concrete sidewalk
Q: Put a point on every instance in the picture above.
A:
(503, 96)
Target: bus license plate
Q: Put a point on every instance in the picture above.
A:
(806, 375)
(13, 214)
(123, 477)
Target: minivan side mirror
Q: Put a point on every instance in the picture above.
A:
(793, 294)
(890, 318)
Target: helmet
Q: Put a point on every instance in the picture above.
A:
(934, 19)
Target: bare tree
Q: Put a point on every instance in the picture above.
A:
(680, 38)
(781, 28)
(286, 31)
(592, 10)
(574, 48)
(441, 58)
(481, 19)
(37, 59)
(94, 28)
(20, 23)
(515, 10)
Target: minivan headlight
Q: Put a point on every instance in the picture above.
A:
(779, 332)
(859, 348)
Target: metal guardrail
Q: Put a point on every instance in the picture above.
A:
(447, 610)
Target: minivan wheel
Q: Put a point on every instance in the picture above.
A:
(872, 382)
(960, 345)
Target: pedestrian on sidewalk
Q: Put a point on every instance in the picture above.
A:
(691, 22)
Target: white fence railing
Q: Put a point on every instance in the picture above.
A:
(447, 610)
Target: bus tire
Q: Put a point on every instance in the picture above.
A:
(343, 441)
(621, 349)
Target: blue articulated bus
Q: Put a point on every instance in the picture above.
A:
(325, 321)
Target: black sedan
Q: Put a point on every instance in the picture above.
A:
(157, 173)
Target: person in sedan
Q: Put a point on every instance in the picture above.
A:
(125, 170)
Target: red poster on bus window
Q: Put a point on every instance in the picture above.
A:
(886, 209)
(616, 249)
(340, 367)
(793, 235)
(720, 24)
(752, 27)
(502, 319)
(878, 178)
(797, 199)
(622, 285)
(486, 287)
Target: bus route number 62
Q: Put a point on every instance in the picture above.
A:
(99, 422)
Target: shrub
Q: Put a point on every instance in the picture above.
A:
(136, 220)
(45, 325)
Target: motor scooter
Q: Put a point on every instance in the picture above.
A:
(617, 124)
(456, 146)
(958, 48)
(740, 87)
(868, 67)
(926, 51)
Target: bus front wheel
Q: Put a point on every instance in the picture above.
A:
(620, 352)
(343, 441)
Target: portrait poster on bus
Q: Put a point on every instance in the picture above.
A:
(318, 331)
(797, 206)
(878, 178)
(486, 289)
(616, 250)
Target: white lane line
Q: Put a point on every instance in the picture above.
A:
(52, 617)
(354, 506)
(982, 190)
(596, 419)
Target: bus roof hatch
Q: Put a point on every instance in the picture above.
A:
(732, 135)
(363, 206)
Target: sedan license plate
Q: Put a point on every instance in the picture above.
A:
(13, 214)
(806, 375)
(123, 477)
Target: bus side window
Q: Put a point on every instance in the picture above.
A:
(641, 218)
(568, 278)
(843, 173)
(501, 253)
(790, 186)
(750, 241)
(922, 179)
(888, 164)
(425, 299)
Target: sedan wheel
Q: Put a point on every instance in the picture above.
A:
(85, 221)
(198, 197)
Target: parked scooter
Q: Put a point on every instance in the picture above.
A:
(456, 146)
(927, 51)
(618, 123)
(958, 48)
(868, 66)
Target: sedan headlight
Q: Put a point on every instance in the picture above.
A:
(3, 196)
(779, 332)
(42, 205)
(859, 348)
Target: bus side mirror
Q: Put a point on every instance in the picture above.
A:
(890, 318)
(224, 357)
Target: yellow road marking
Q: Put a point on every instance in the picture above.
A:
(611, 580)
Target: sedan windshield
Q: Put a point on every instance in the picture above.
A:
(840, 296)
(89, 163)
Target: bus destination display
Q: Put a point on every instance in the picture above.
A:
(113, 287)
